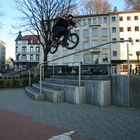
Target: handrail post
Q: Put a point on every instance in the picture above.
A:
(29, 77)
(40, 67)
(79, 73)
(128, 74)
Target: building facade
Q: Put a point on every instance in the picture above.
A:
(95, 30)
(2, 56)
(27, 51)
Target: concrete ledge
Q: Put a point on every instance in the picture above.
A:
(31, 92)
(98, 92)
(53, 95)
(72, 94)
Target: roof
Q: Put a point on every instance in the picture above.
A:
(30, 37)
(33, 38)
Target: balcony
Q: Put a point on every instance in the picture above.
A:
(95, 50)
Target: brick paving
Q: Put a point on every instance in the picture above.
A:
(19, 127)
(22, 117)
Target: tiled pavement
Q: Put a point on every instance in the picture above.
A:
(22, 118)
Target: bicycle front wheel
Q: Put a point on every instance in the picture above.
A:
(72, 41)
(53, 47)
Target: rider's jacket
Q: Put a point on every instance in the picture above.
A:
(63, 21)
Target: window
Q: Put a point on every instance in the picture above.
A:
(113, 19)
(104, 31)
(94, 31)
(95, 21)
(24, 57)
(122, 39)
(94, 43)
(31, 57)
(114, 39)
(121, 29)
(37, 49)
(85, 33)
(78, 33)
(31, 49)
(86, 44)
(105, 46)
(136, 28)
(16, 48)
(113, 29)
(99, 20)
(105, 20)
(37, 57)
(114, 53)
(24, 49)
(95, 58)
(76, 58)
(84, 21)
(121, 18)
(137, 40)
(86, 58)
(89, 21)
(128, 29)
(135, 17)
(105, 57)
(128, 18)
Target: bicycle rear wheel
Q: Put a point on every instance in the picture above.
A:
(72, 41)
(53, 47)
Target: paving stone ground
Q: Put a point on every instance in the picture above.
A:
(90, 122)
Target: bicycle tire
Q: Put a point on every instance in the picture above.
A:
(72, 41)
(53, 47)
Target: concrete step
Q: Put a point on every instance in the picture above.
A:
(34, 94)
(53, 95)
(62, 81)
(72, 94)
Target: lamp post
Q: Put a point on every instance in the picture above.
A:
(128, 74)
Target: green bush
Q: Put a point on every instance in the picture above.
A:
(15, 82)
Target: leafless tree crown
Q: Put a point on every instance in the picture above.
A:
(96, 6)
(132, 4)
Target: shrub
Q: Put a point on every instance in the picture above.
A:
(15, 82)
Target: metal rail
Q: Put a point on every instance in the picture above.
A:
(111, 42)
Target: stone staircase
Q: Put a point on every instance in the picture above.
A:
(57, 91)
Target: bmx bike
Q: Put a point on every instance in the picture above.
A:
(72, 42)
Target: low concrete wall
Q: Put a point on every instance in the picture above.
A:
(119, 90)
(97, 92)
(72, 94)
(122, 92)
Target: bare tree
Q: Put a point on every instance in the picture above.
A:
(132, 4)
(96, 6)
(37, 17)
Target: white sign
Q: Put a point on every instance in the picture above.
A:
(64, 136)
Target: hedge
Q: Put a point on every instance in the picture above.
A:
(16, 82)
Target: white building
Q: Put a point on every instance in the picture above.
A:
(28, 51)
(94, 30)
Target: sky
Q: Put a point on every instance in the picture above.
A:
(7, 7)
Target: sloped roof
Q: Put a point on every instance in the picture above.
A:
(19, 37)
(30, 37)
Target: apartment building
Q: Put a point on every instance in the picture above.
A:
(27, 51)
(95, 30)
(2, 55)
